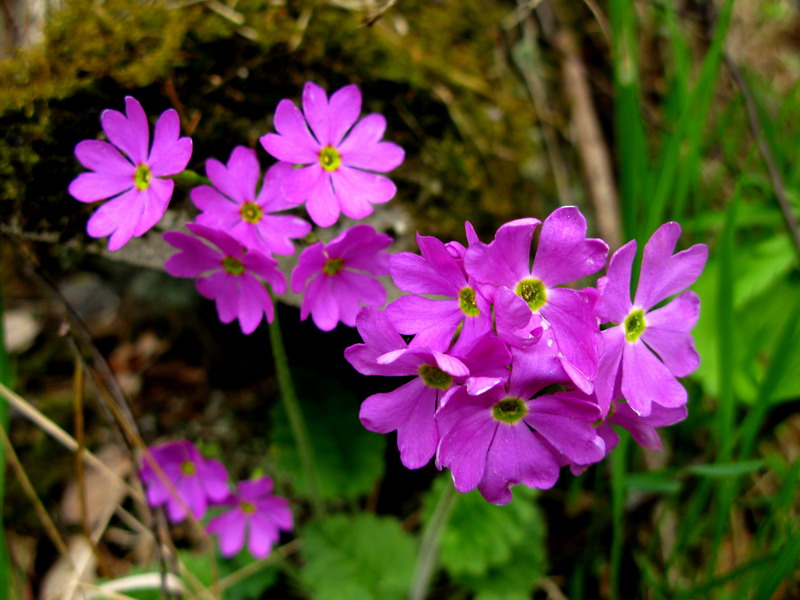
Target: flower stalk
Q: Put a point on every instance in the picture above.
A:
(429, 544)
(295, 414)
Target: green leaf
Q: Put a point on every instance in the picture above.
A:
(349, 458)
(496, 551)
(360, 557)
(480, 535)
(730, 469)
(659, 482)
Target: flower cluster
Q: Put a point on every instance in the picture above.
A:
(515, 374)
(178, 476)
(329, 161)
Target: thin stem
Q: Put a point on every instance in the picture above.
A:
(295, 414)
(429, 545)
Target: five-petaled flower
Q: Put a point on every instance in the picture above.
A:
(133, 179)
(230, 274)
(338, 168)
(338, 278)
(254, 513)
(233, 205)
(183, 480)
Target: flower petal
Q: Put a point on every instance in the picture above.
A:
(645, 380)
(345, 106)
(170, 153)
(668, 334)
(317, 112)
(103, 158)
(664, 273)
(564, 254)
(130, 132)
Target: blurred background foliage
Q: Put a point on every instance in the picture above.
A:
(637, 111)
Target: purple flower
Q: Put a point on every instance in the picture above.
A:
(564, 254)
(339, 278)
(410, 409)
(230, 274)
(434, 322)
(134, 182)
(233, 206)
(254, 513)
(501, 438)
(336, 164)
(630, 365)
(191, 480)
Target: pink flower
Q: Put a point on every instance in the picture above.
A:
(195, 480)
(233, 205)
(336, 175)
(339, 278)
(135, 182)
(648, 347)
(230, 274)
(255, 513)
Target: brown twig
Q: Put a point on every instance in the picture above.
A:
(754, 121)
(49, 527)
(592, 148)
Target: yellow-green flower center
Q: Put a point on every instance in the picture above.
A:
(329, 158)
(188, 467)
(434, 377)
(233, 265)
(467, 303)
(332, 266)
(509, 410)
(251, 212)
(142, 177)
(533, 292)
(247, 507)
(634, 325)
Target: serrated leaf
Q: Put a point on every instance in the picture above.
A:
(361, 557)
(349, 458)
(479, 535)
(526, 564)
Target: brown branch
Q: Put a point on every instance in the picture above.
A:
(754, 121)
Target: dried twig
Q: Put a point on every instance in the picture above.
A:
(766, 152)
(592, 148)
(49, 527)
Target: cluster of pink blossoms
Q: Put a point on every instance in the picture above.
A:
(514, 374)
(504, 332)
(183, 480)
(329, 161)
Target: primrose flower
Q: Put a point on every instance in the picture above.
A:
(129, 173)
(563, 254)
(640, 336)
(254, 513)
(192, 481)
(228, 273)
(338, 278)
(338, 168)
(410, 409)
(233, 205)
(435, 322)
(501, 438)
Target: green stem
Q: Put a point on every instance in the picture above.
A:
(7, 380)
(189, 178)
(295, 414)
(429, 545)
